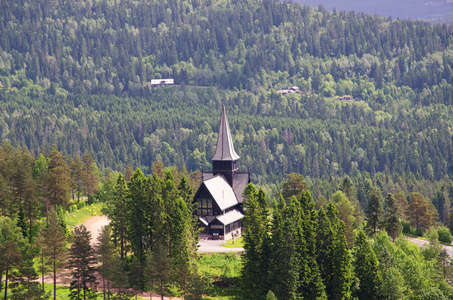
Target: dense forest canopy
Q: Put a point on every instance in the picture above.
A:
(75, 73)
(432, 11)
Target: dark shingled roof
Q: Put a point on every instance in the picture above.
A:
(225, 147)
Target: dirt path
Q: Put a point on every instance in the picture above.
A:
(94, 225)
(423, 243)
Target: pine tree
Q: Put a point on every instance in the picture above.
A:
(53, 243)
(374, 210)
(11, 245)
(104, 251)
(58, 179)
(76, 167)
(392, 222)
(90, 175)
(136, 230)
(81, 261)
(118, 215)
(159, 267)
(25, 286)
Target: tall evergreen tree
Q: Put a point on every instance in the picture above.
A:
(104, 250)
(285, 261)
(341, 269)
(254, 223)
(136, 230)
(118, 215)
(11, 245)
(311, 285)
(81, 261)
(90, 175)
(25, 286)
(374, 210)
(392, 222)
(366, 269)
(53, 243)
(58, 179)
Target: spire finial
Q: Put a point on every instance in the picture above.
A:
(225, 148)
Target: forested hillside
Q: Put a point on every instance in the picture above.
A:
(75, 73)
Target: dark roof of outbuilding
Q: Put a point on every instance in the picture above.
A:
(225, 147)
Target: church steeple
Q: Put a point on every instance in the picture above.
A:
(225, 159)
(225, 148)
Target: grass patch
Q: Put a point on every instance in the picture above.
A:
(219, 264)
(238, 243)
(79, 216)
(63, 292)
(222, 274)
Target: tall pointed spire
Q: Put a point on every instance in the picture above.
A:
(225, 148)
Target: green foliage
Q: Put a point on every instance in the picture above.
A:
(81, 262)
(444, 235)
(80, 81)
(374, 210)
(270, 296)
(366, 269)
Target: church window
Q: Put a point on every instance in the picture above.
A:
(205, 207)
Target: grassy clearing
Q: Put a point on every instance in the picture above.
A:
(79, 216)
(238, 243)
(221, 271)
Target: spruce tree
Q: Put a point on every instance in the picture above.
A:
(285, 261)
(341, 267)
(326, 235)
(254, 231)
(311, 285)
(366, 269)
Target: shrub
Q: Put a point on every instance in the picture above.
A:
(418, 232)
(406, 227)
(444, 235)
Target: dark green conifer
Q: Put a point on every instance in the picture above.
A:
(366, 269)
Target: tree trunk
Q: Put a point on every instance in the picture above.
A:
(31, 224)
(6, 278)
(122, 249)
(54, 281)
(103, 280)
(42, 270)
(161, 291)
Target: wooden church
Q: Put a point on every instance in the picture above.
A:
(219, 197)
